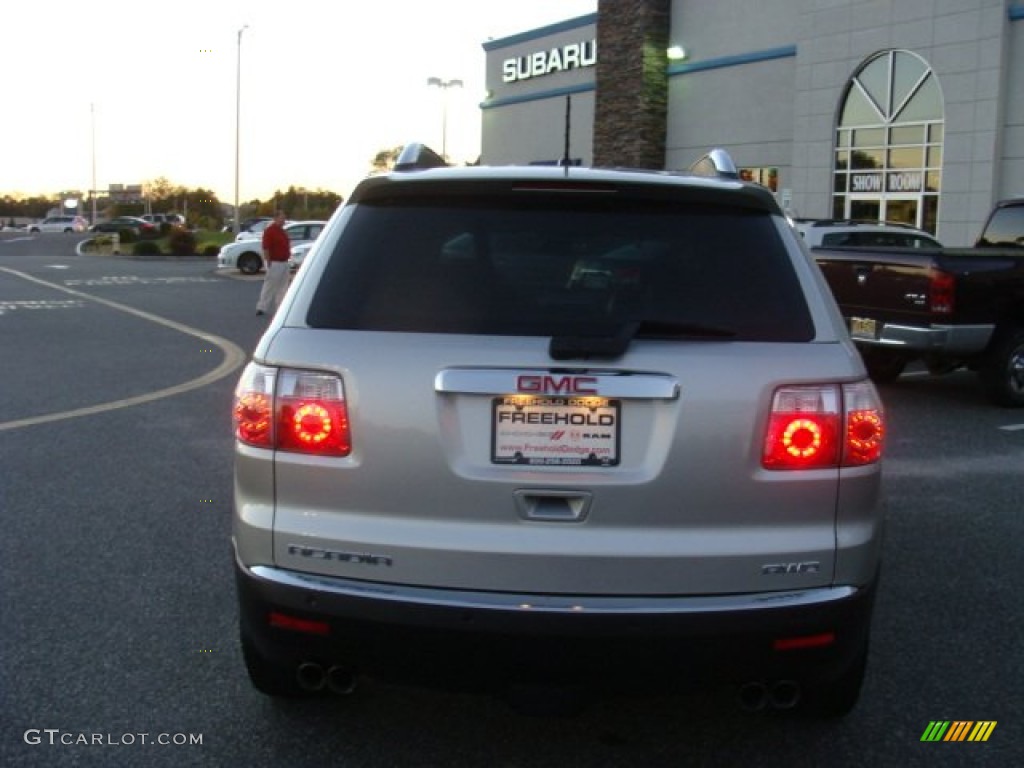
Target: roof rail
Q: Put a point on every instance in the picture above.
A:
(716, 163)
(417, 157)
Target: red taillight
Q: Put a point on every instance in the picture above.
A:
(941, 292)
(294, 623)
(804, 641)
(296, 411)
(824, 426)
(253, 416)
(313, 426)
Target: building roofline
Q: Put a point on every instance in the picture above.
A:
(534, 34)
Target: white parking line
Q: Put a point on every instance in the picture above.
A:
(1012, 427)
(233, 358)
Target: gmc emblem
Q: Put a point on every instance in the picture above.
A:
(559, 385)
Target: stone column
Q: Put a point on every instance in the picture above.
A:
(631, 102)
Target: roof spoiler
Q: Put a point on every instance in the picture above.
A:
(716, 163)
(417, 157)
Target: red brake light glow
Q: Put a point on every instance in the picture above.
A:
(252, 418)
(941, 292)
(819, 427)
(295, 411)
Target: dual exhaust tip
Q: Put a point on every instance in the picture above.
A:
(753, 696)
(780, 694)
(313, 677)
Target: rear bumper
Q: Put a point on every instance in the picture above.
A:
(469, 639)
(943, 339)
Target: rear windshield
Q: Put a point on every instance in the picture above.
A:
(557, 265)
(878, 240)
(1006, 228)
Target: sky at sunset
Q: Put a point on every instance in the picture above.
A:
(149, 90)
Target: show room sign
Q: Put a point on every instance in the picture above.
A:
(904, 181)
(540, 63)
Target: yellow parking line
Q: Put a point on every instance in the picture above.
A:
(234, 357)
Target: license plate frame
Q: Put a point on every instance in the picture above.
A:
(863, 328)
(556, 431)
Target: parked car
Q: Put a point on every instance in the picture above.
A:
(255, 230)
(171, 219)
(247, 224)
(60, 224)
(247, 255)
(530, 426)
(951, 308)
(135, 224)
(299, 253)
(832, 233)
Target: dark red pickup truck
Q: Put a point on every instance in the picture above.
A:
(949, 307)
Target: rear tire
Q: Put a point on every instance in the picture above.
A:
(1002, 372)
(839, 697)
(883, 365)
(270, 678)
(249, 263)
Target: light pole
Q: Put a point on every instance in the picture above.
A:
(238, 122)
(92, 194)
(444, 85)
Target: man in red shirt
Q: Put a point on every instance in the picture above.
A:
(276, 251)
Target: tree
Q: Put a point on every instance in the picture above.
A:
(385, 160)
(160, 189)
(302, 203)
(34, 207)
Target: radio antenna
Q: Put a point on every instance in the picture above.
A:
(568, 122)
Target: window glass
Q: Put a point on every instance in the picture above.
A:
(867, 158)
(907, 134)
(875, 80)
(1005, 228)
(905, 157)
(869, 137)
(557, 265)
(902, 138)
(907, 72)
(925, 104)
(858, 110)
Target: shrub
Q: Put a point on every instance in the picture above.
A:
(146, 248)
(127, 236)
(182, 242)
(211, 249)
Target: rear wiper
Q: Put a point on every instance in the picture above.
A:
(608, 347)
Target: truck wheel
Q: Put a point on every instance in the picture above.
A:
(249, 263)
(883, 365)
(1002, 373)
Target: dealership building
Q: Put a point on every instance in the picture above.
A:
(901, 110)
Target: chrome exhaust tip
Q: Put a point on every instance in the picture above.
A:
(753, 696)
(784, 694)
(340, 680)
(311, 676)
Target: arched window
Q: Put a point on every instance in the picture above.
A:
(888, 153)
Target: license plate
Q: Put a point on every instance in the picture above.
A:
(556, 431)
(863, 328)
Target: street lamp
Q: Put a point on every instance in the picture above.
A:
(444, 85)
(92, 192)
(238, 120)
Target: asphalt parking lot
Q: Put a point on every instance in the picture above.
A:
(118, 601)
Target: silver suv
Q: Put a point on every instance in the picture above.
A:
(832, 233)
(545, 427)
